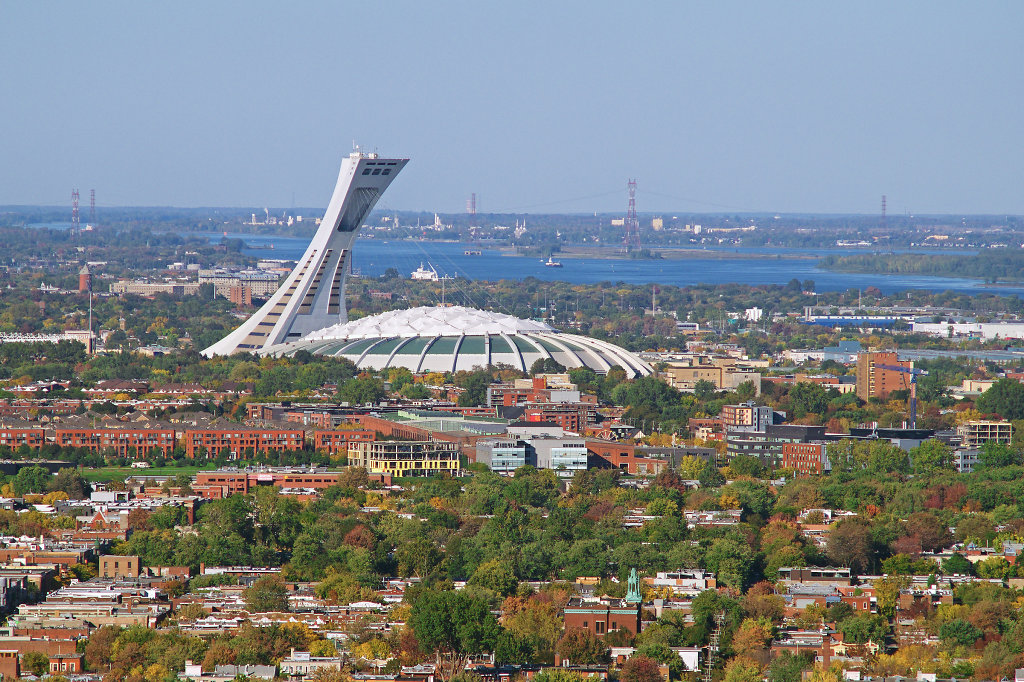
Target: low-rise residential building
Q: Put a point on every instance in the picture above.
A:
(225, 482)
(237, 443)
(124, 442)
(565, 455)
(601, 616)
(965, 459)
(116, 566)
(688, 581)
(338, 441)
(15, 438)
(302, 665)
(142, 288)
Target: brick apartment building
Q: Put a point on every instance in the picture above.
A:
(874, 381)
(217, 484)
(116, 566)
(602, 617)
(805, 458)
(123, 442)
(624, 456)
(338, 441)
(15, 438)
(237, 443)
(571, 418)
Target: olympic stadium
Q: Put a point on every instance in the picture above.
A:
(308, 311)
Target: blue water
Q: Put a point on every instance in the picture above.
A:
(373, 256)
(52, 226)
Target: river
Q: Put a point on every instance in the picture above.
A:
(725, 265)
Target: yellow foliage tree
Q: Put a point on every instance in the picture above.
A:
(690, 467)
(323, 648)
(375, 649)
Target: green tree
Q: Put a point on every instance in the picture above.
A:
(704, 390)
(72, 482)
(993, 455)
(267, 594)
(865, 627)
(957, 564)
(931, 456)
(455, 626)
(495, 575)
(959, 632)
(361, 390)
(710, 476)
(787, 667)
(38, 663)
(1005, 398)
(33, 479)
(732, 560)
(512, 649)
(476, 384)
(808, 398)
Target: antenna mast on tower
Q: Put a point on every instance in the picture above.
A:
(631, 238)
(92, 207)
(75, 220)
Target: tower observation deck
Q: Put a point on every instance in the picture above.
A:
(312, 297)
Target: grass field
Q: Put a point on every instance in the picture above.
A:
(120, 473)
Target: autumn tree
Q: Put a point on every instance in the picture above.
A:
(849, 544)
(640, 669)
(581, 647)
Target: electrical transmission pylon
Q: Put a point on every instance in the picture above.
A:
(713, 646)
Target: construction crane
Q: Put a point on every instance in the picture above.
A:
(914, 373)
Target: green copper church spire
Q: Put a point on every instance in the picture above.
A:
(633, 588)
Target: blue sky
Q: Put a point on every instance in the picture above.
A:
(539, 107)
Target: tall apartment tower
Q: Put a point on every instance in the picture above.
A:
(877, 382)
(313, 295)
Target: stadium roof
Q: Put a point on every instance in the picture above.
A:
(450, 339)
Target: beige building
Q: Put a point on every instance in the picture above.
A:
(405, 458)
(114, 566)
(153, 288)
(974, 433)
(725, 373)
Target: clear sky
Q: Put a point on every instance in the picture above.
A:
(536, 106)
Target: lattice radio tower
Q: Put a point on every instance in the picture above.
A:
(631, 238)
(881, 221)
(474, 232)
(92, 207)
(75, 219)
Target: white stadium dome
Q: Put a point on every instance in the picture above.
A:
(449, 339)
